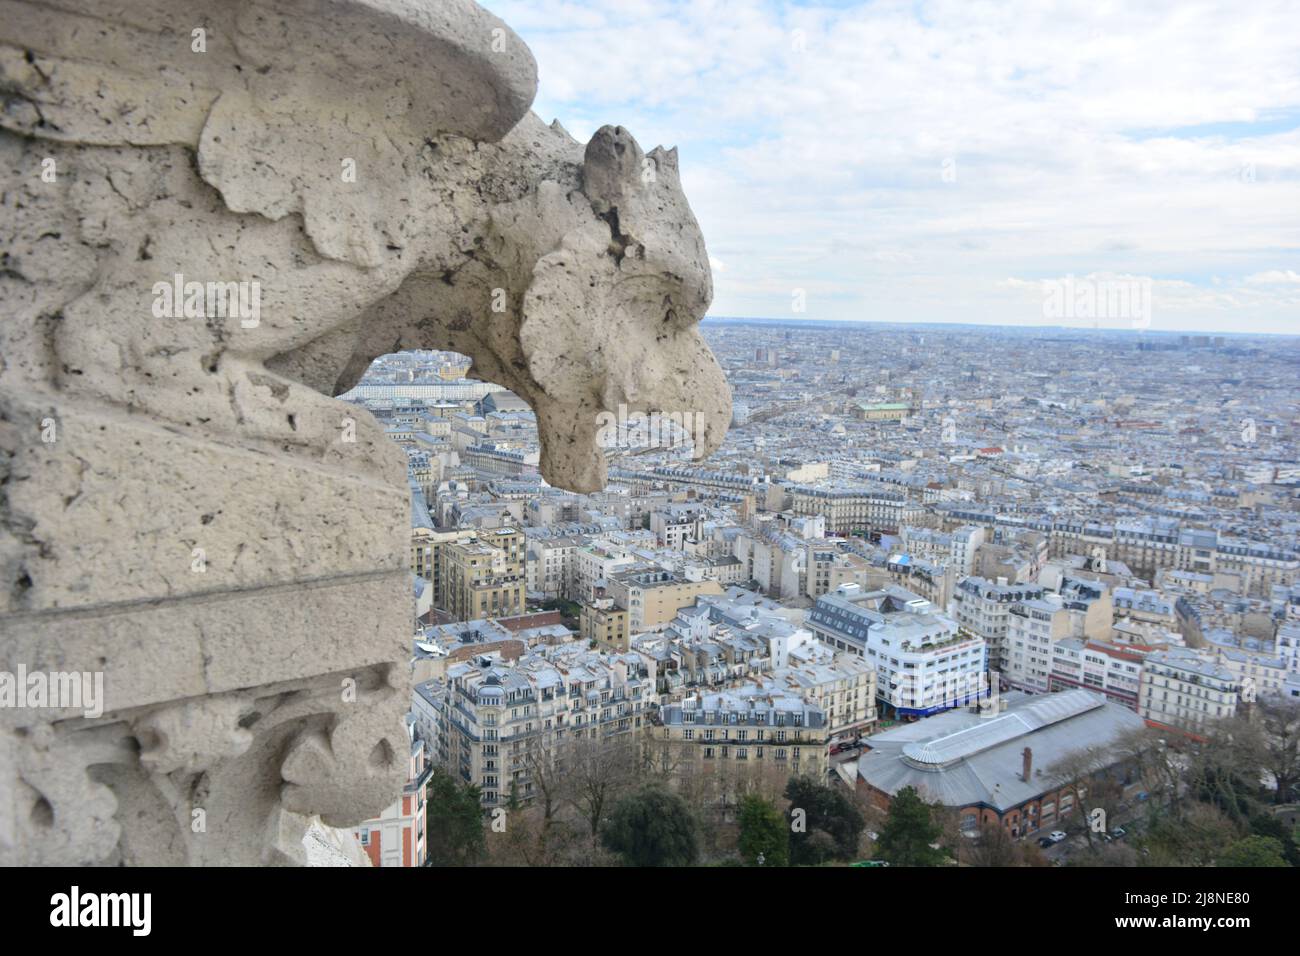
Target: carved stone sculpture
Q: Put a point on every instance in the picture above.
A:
(215, 215)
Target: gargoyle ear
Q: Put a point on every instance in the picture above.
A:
(611, 166)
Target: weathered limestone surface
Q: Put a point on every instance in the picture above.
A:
(184, 508)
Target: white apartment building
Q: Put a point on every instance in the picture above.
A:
(924, 662)
(1185, 690)
(552, 567)
(1033, 629)
(673, 527)
(983, 608)
(1261, 667)
(598, 561)
(1113, 669)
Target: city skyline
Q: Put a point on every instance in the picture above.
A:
(937, 162)
(937, 324)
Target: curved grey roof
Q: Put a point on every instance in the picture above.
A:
(991, 731)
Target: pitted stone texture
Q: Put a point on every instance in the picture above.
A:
(184, 507)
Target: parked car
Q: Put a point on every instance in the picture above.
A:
(1118, 833)
(1056, 836)
(1045, 842)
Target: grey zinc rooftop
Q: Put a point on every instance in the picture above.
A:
(960, 758)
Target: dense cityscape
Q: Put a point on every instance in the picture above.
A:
(947, 595)
(643, 439)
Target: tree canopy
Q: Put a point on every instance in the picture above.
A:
(652, 827)
(909, 832)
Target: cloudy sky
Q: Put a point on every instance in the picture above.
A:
(956, 161)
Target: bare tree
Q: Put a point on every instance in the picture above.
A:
(1079, 773)
(993, 847)
(1279, 723)
(598, 770)
(1225, 766)
(545, 760)
(1158, 766)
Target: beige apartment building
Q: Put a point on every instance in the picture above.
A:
(748, 729)
(607, 625)
(504, 726)
(428, 546)
(850, 509)
(484, 576)
(829, 569)
(845, 690)
(652, 598)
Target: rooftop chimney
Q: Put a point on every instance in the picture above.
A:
(1028, 756)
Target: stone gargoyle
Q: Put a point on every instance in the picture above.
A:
(184, 506)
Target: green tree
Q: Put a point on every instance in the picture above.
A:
(1194, 836)
(818, 809)
(908, 832)
(453, 821)
(1252, 851)
(1267, 825)
(652, 827)
(763, 831)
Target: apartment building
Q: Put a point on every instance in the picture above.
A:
(854, 509)
(598, 561)
(502, 725)
(1186, 690)
(774, 559)
(1151, 545)
(1112, 669)
(830, 569)
(924, 661)
(606, 624)
(934, 582)
(552, 565)
(484, 576)
(956, 549)
(1146, 545)
(674, 526)
(1261, 667)
(1144, 605)
(1261, 565)
(843, 686)
(747, 727)
(500, 458)
(883, 411)
(653, 597)
(983, 608)
(1034, 627)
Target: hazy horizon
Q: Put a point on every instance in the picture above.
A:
(1023, 327)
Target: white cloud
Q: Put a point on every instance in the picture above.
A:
(910, 149)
